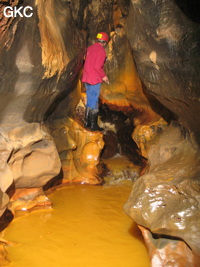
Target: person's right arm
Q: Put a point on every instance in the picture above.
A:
(105, 79)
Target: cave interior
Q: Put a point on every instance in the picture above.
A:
(149, 113)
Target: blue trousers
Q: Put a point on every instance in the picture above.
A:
(92, 92)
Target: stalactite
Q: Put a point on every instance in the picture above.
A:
(54, 55)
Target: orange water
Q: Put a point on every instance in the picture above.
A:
(87, 227)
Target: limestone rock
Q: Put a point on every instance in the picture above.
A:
(153, 67)
(166, 199)
(40, 57)
(165, 47)
(79, 151)
(160, 248)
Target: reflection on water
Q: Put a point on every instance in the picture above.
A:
(87, 227)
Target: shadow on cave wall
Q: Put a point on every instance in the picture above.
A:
(157, 107)
(191, 8)
(120, 141)
(6, 219)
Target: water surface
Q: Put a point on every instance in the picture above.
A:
(87, 227)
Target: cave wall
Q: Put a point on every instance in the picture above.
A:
(165, 46)
(39, 58)
(153, 59)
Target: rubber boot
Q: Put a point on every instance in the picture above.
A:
(87, 117)
(94, 118)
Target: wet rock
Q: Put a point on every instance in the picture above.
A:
(3, 255)
(160, 248)
(79, 150)
(40, 60)
(166, 199)
(145, 135)
(4, 200)
(111, 145)
(33, 159)
(126, 92)
(23, 200)
(40, 57)
(165, 47)
(120, 170)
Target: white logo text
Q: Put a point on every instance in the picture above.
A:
(18, 11)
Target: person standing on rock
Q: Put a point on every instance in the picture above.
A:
(93, 76)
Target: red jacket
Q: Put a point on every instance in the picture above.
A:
(93, 71)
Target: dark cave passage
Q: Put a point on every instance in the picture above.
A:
(190, 8)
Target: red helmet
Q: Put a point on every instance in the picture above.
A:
(102, 36)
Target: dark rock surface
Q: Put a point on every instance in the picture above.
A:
(40, 62)
(165, 46)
